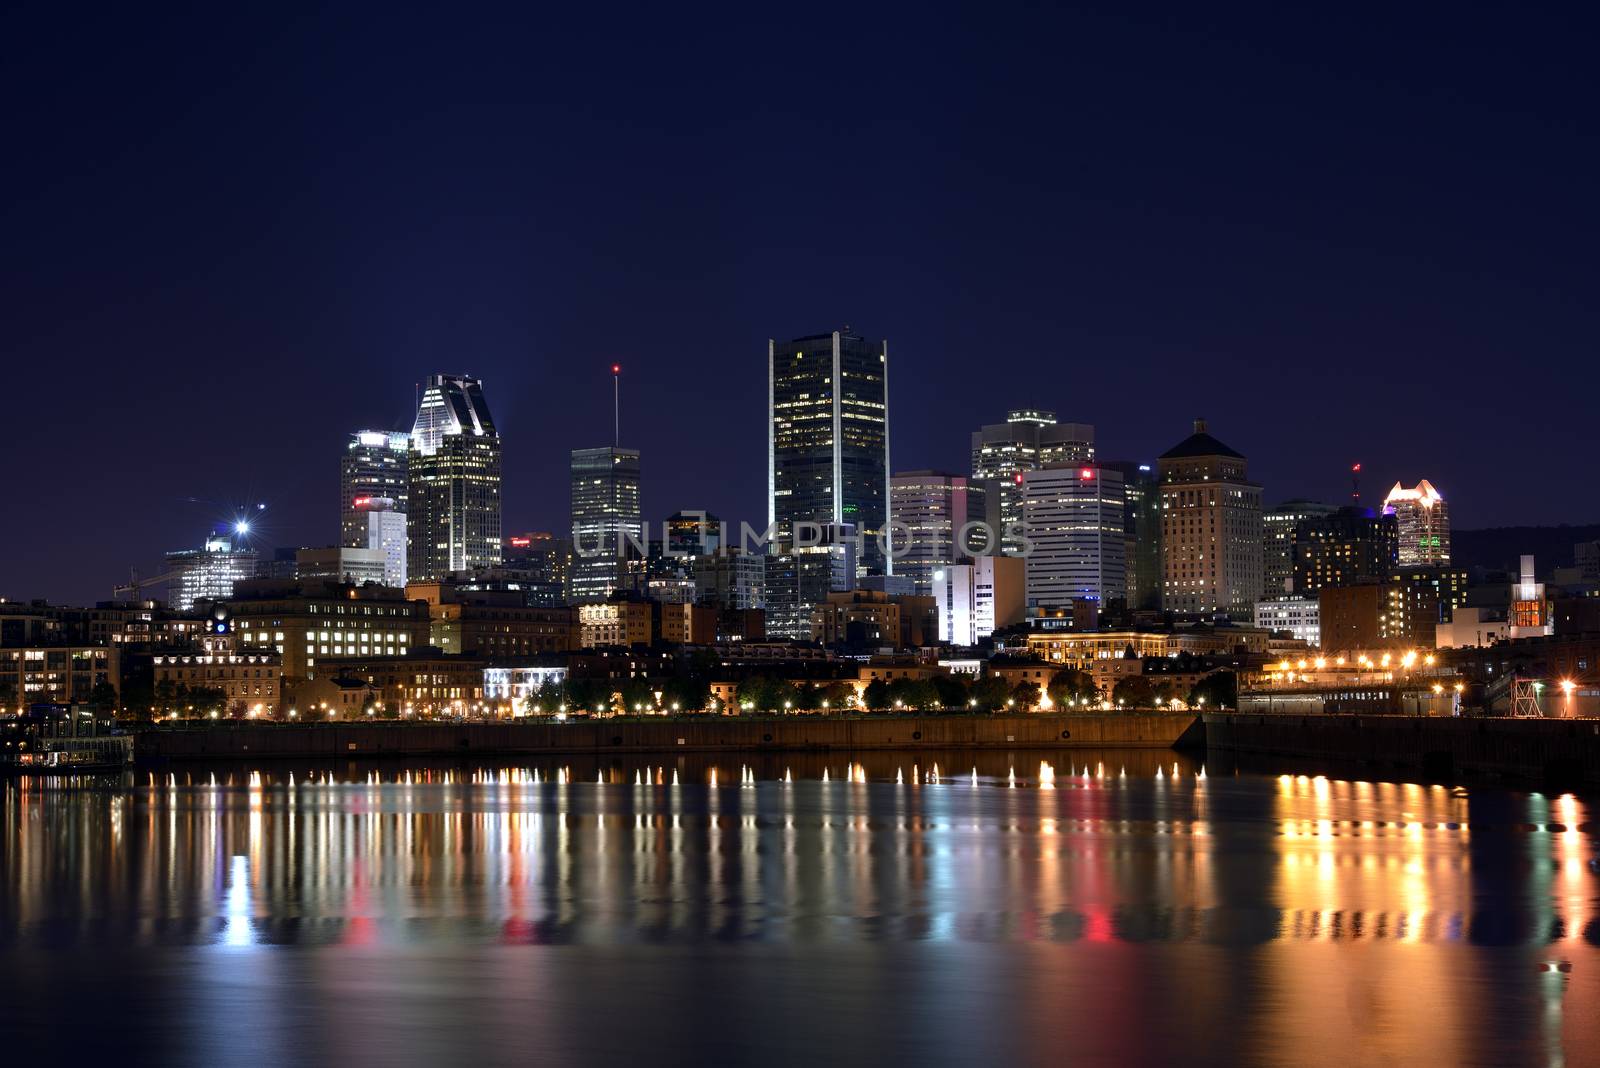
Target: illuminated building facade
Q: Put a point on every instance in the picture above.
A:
(252, 681)
(385, 532)
(1378, 615)
(692, 533)
(620, 621)
(453, 481)
(1301, 617)
(796, 582)
(342, 564)
(605, 515)
(1073, 517)
(1279, 527)
(930, 512)
(543, 563)
(1347, 546)
(56, 674)
(730, 579)
(977, 598)
(1002, 452)
(209, 573)
(373, 466)
(1210, 529)
(1423, 524)
(482, 625)
(306, 622)
(828, 440)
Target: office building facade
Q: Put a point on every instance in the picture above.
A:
(1422, 519)
(1030, 438)
(975, 599)
(453, 481)
(936, 519)
(210, 572)
(1349, 546)
(1073, 517)
(1300, 617)
(1141, 533)
(828, 439)
(1279, 525)
(605, 516)
(385, 532)
(1211, 548)
(373, 466)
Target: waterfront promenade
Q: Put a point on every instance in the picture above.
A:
(1112, 730)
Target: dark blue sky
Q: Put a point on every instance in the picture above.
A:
(232, 236)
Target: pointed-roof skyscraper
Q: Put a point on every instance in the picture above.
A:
(453, 481)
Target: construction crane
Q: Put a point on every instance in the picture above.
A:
(136, 584)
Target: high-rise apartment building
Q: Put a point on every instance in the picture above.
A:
(828, 439)
(930, 513)
(1141, 526)
(210, 572)
(1210, 529)
(1343, 548)
(1423, 521)
(1001, 452)
(453, 481)
(605, 515)
(373, 466)
(1073, 518)
(1278, 527)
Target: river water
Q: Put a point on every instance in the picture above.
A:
(1023, 908)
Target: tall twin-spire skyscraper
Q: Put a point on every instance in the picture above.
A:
(453, 481)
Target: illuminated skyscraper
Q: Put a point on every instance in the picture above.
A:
(1030, 438)
(1073, 517)
(1423, 520)
(453, 482)
(373, 466)
(384, 530)
(828, 439)
(209, 573)
(1210, 529)
(931, 511)
(1280, 526)
(605, 514)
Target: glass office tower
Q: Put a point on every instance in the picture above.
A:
(605, 514)
(453, 482)
(828, 439)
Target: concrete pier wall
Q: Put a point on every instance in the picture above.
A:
(1540, 750)
(1136, 730)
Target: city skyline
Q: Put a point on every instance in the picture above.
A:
(191, 522)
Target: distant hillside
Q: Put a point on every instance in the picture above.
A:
(1501, 547)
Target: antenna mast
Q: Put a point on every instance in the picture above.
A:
(616, 405)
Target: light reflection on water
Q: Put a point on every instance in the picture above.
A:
(1268, 919)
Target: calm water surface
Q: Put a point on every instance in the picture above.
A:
(1099, 908)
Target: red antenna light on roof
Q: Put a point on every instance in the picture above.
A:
(616, 405)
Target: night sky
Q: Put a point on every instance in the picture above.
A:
(233, 236)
